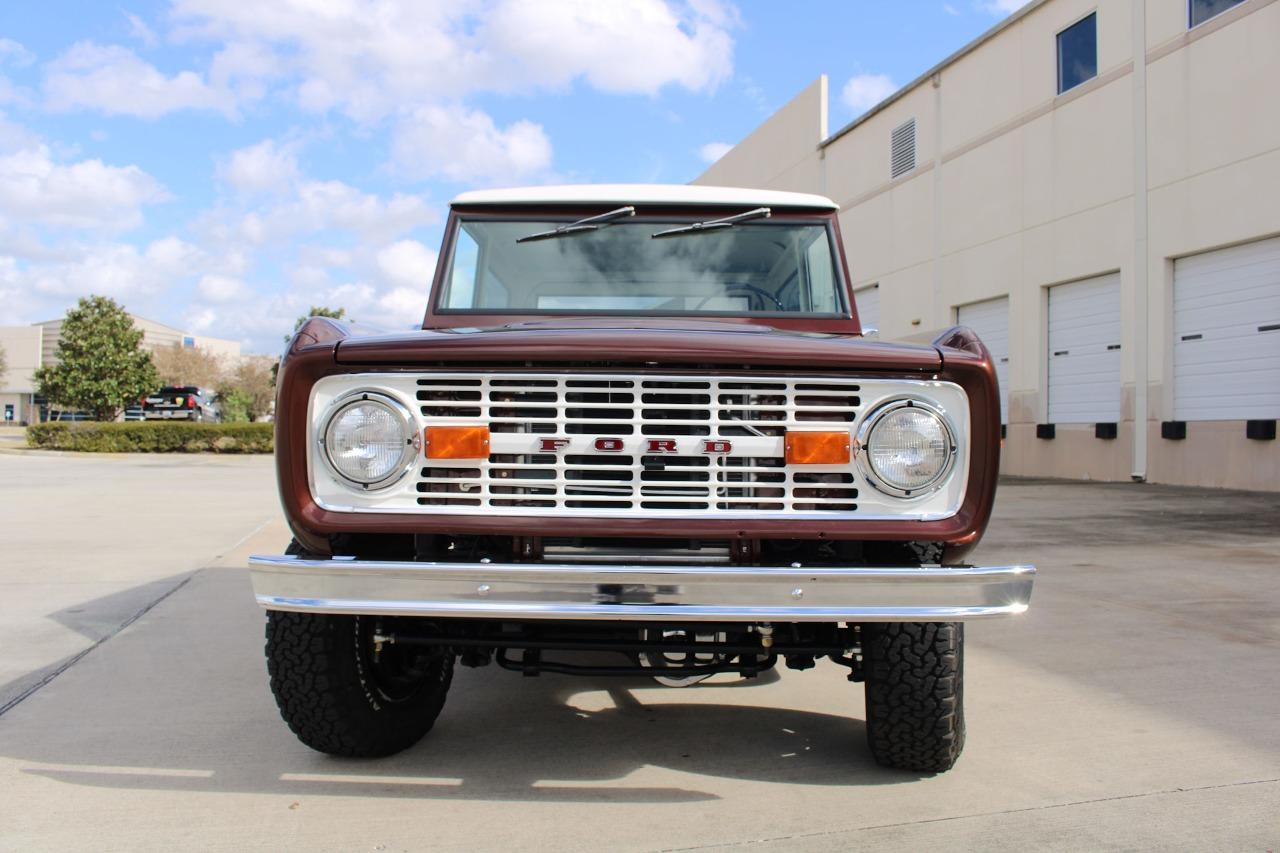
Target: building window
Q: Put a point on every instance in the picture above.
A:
(1200, 11)
(902, 149)
(188, 343)
(1078, 53)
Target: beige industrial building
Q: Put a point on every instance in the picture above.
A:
(1093, 185)
(26, 348)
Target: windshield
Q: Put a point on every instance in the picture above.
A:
(765, 268)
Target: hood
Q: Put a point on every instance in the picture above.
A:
(642, 341)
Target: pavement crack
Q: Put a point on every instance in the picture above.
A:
(1046, 807)
(78, 656)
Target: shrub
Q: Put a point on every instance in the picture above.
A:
(152, 437)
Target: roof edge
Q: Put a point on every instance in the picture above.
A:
(670, 194)
(1000, 26)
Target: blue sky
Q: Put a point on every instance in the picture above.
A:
(220, 165)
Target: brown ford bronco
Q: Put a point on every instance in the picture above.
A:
(639, 432)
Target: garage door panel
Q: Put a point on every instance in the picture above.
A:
(1219, 386)
(1084, 353)
(990, 319)
(1225, 367)
(1209, 288)
(1224, 355)
(1246, 257)
(1241, 317)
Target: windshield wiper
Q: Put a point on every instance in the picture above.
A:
(591, 223)
(715, 224)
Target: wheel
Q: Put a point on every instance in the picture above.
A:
(197, 416)
(342, 694)
(915, 693)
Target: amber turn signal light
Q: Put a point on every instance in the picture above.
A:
(817, 448)
(465, 442)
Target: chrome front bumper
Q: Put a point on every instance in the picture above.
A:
(522, 591)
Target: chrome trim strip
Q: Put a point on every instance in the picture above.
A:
(648, 592)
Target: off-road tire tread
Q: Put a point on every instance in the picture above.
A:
(915, 694)
(310, 659)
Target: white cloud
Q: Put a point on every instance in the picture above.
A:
(407, 264)
(465, 145)
(13, 53)
(139, 29)
(370, 59)
(201, 320)
(221, 289)
(864, 91)
(115, 81)
(313, 207)
(713, 151)
(261, 168)
(86, 194)
(620, 46)
(15, 137)
(950, 10)
(118, 270)
(1001, 7)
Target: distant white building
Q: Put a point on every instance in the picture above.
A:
(26, 348)
(1092, 185)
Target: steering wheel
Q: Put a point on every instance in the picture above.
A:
(749, 288)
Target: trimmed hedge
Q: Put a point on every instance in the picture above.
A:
(153, 437)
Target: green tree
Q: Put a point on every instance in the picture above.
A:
(4, 364)
(247, 393)
(101, 367)
(234, 405)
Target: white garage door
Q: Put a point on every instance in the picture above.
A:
(990, 319)
(1084, 351)
(867, 301)
(1226, 334)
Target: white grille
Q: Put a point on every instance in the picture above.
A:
(656, 432)
(750, 411)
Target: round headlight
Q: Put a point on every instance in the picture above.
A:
(907, 448)
(369, 440)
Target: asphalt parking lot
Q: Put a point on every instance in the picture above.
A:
(1137, 705)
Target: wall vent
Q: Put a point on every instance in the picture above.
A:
(902, 149)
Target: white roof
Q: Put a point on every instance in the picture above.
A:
(646, 194)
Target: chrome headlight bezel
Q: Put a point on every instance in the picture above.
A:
(863, 456)
(409, 431)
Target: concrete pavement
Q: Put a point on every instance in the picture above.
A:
(1134, 707)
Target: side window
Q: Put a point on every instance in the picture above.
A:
(1078, 53)
(1199, 11)
(461, 292)
(821, 277)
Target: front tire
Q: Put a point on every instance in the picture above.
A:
(342, 696)
(915, 694)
